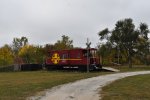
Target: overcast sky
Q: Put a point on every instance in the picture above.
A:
(45, 21)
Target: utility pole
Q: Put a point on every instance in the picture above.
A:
(88, 48)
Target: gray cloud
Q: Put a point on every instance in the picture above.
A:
(45, 21)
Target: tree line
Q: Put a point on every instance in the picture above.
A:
(20, 51)
(125, 44)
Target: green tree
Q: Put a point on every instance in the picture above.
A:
(104, 51)
(18, 43)
(40, 54)
(32, 54)
(27, 53)
(6, 55)
(143, 43)
(47, 48)
(64, 43)
(125, 36)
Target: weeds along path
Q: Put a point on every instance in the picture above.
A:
(87, 89)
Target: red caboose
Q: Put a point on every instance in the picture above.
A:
(73, 58)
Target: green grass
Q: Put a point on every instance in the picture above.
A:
(135, 68)
(19, 85)
(130, 88)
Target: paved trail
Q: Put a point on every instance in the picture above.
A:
(87, 89)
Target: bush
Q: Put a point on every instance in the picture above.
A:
(7, 68)
(31, 67)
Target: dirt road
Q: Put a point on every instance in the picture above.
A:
(87, 89)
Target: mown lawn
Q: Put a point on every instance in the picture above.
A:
(134, 68)
(130, 88)
(19, 85)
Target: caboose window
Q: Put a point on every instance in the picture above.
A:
(64, 56)
(93, 53)
(84, 53)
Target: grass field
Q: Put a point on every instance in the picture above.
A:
(130, 88)
(135, 68)
(19, 85)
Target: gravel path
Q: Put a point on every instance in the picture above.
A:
(87, 89)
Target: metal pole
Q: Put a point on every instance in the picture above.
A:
(88, 47)
(87, 59)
